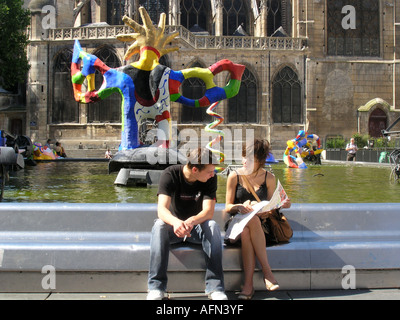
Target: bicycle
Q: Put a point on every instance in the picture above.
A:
(395, 166)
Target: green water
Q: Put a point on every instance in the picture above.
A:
(89, 182)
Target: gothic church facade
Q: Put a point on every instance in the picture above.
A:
(329, 67)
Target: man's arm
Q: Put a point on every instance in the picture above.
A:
(206, 214)
(180, 228)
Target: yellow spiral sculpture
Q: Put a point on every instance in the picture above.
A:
(210, 128)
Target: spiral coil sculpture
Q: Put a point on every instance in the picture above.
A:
(210, 128)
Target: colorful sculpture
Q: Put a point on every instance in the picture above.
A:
(301, 147)
(146, 87)
(43, 153)
(211, 128)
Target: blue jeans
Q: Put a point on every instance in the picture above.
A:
(208, 234)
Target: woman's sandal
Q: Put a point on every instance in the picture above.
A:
(271, 286)
(243, 296)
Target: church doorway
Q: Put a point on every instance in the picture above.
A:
(377, 122)
(16, 127)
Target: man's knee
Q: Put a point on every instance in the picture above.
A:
(159, 224)
(160, 228)
(212, 226)
(211, 232)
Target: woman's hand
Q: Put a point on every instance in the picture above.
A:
(245, 207)
(286, 203)
(264, 214)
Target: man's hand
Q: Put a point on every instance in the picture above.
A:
(182, 229)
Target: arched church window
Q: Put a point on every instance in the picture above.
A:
(116, 9)
(354, 32)
(274, 19)
(286, 97)
(194, 88)
(64, 106)
(279, 15)
(243, 107)
(196, 15)
(235, 15)
(107, 110)
(154, 8)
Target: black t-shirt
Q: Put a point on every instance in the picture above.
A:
(186, 198)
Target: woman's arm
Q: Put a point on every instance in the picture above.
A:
(231, 183)
(271, 186)
(230, 206)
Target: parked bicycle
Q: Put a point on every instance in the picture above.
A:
(395, 166)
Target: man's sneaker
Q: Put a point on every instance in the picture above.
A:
(217, 295)
(155, 295)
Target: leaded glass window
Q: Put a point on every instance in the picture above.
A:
(235, 16)
(196, 14)
(115, 11)
(286, 97)
(65, 108)
(242, 108)
(154, 8)
(274, 20)
(355, 32)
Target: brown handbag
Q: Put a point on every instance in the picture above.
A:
(276, 227)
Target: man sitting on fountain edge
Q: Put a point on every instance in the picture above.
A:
(186, 202)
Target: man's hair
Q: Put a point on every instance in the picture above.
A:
(259, 149)
(200, 158)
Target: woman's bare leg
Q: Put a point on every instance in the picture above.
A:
(258, 243)
(249, 261)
